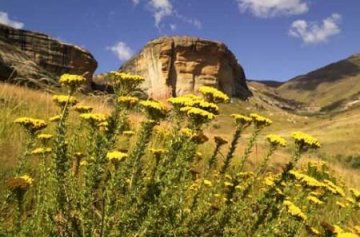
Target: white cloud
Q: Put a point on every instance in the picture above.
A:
(273, 8)
(314, 32)
(161, 9)
(136, 2)
(173, 27)
(121, 50)
(194, 22)
(4, 19)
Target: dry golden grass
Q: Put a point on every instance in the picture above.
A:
(338, 134)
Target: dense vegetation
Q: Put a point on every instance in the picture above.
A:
(103, 177)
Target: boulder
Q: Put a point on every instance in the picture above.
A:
(179, 65)
(47, 56)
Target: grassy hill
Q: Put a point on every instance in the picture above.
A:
(333, 87)
(337, 133)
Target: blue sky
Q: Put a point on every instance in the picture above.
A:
(272, 39)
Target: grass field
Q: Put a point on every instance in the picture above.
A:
(337, 133)
(174, 173)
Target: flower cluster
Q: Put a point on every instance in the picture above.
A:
(314, 200)
(333, 188)
(260, 121)
(306, 180)
(72, 81)
(122, 76)
(128, 101)
(116, 156)
(157, 152)
(242, 120)
(31, 124)
(83, 109)
(125, 83)
(63, 100)
(94, 119)
(154, 109)
(294, 211)
(193, 101)
(41, 151)
(44, 136)
(305, 141)
(198, 116)
(276, 140)
(20, 183)
(213, 95)
(129, 133)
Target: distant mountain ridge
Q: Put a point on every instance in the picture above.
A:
(333, 87)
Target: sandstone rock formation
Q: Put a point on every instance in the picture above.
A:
(178, 65)
(36, 56)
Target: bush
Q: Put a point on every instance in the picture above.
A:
(107, 180)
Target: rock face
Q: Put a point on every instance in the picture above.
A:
(175, 66)
(46, 56)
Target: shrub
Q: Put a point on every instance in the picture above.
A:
(155, 183)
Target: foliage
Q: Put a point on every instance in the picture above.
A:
(155, 183)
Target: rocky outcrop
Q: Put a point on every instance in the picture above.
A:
(46, 56)
(179, 65)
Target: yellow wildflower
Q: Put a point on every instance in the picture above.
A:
(187, 132)
(197, 114)
(103, 126)
(347, 234)
(208, 183)
(123, 76)
(63, 100)
(41, 151)
(228, 184)
(129, 133)
(154, 109)
(157, 152)
(332, 229)
(330, 186)
(242, 120)
(20, 183)
(260, 121)
(276, 140)
(71, 80)
(116, 156)
(269, 180)
(44, 136)
(357, 229)
(314, 200)
(245, 175)
(83, 109)
(55, 118)
(128, 101)
(356, 194)
(350, 200)
(213, 95)
(93, 118)
(312, 230)
(306, 180)
(125, 83)
(208, 106)
(341, 204)
(294, 211)
(31, 124)
(181, 101)
(305, 141)
(83, 163)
